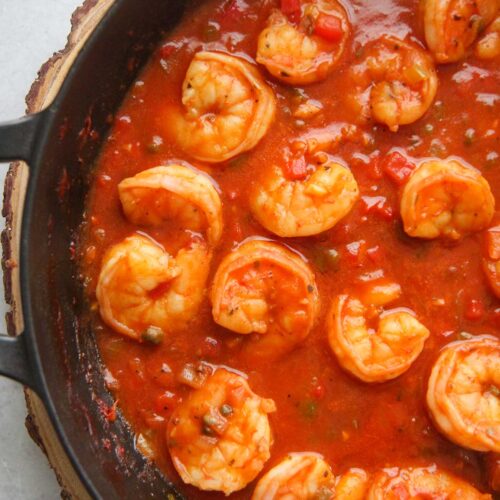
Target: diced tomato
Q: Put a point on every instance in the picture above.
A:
(211, 348)
(493, 242)
(474, 309)
(290, 6)
(377, 205)
(166, 50)
(122, 122)
(153, 420)
(397, 168)
(230, 14)
(319, 391)
(166, 401)
(103, 179)
(109, 412)
(296, 169)
(375, 254)
(328, 27)
(355, 252)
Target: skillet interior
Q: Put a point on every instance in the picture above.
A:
(61, 346)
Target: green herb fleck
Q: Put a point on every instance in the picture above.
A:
(211, 32)
(308, 408)
(155, 145)
(469, 136)
(226, 410)
(326, 259)
(428, 128)
(153, 334)
(239, 161)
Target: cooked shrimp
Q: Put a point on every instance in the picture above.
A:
(451, 26)
(306, 53)
(141, 286)
(264, 288)
(463, 393)
(396, 82)
(374, 356)
(491, 257)
(488, 46)
(219, 438)
(307, 204)
(444, 198)
(421, 482)
(174, 192)
(299, 476)
(352, 485)
(228, 107)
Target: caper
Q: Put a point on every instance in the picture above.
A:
(153, 334)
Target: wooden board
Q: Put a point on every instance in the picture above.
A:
(42, 93)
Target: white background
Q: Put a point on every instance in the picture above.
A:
(30, 31)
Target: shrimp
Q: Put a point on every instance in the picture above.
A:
(352, 485)
(306, 53)
(488, 46)
(396, 82)
(444, 198)
(219, 438)
(141, 287)
(299, 476)
(174, 192)
(451, 26)
(463, 393)
(374, 356)
(264, 288)
(307, 204)
(421, 482)
(228, 107)
(491, 257)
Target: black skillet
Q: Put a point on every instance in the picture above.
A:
(56, 355)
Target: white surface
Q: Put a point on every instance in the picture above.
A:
(30, 31)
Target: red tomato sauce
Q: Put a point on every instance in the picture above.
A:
(320, 407)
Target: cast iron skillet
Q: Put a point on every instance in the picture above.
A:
(56, 355)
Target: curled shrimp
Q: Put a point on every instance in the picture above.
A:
(308, 204)
(488, 46)
(219, 438)
(421, 482)
(368, 354)
(352, 485)
(396, 82)
(228, 107)
(463, 393)
(141, 286)
(264, 288)
(451, 26)
(299, 476)
(491, 257)
(306, 53)
(174, 192)
(444, 198)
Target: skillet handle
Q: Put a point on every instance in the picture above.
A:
(18, 138)
(14, 360)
